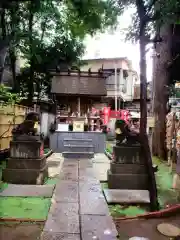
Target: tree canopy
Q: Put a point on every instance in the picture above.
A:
(49, 33)
(151, 14)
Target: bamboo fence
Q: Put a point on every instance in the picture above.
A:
(10, 116)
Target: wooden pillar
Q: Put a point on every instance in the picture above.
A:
(79, 107)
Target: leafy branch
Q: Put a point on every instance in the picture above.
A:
(6, 97)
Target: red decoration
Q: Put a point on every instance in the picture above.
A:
(42, 150)
(106, 116)
(114, 114)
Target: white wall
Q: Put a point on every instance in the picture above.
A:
(44, 123)
(46, 120)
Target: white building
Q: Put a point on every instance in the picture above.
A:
(121, 79)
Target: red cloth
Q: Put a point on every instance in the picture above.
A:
(106, 111)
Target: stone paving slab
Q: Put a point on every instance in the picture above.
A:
(101, 158)
(90, 186)
(69, 176)
(85, 163)
(70, 172)
(70, 162)
(98, 227)
(63, 218)
(17, 190)
(87, 175)
(66, 191)
(92, 199)
(100, 170)
(93, 203)
(126, 196)
(55, 156)
(59, 236)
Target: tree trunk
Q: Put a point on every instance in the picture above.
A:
(31, 75)
(143, 107)
(3, 47)
(15, 20)
(143, 85)
(12, 56)
(160, 92)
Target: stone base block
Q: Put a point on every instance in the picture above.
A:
(118, 168)
(128, 154)
(21, 163)
(127, 181)
(25, 176)
(25, 149)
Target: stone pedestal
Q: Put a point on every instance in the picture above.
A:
(25, 165)
(128, 170)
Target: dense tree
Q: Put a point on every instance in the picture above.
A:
(151, 25)
(47, 33)
(150, 15)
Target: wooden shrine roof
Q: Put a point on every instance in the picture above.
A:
(79, 83)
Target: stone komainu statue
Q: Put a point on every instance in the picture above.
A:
(28, 126)
(124, 134)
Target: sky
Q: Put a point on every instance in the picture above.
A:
(112, 44)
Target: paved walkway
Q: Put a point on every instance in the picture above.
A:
(78, 210)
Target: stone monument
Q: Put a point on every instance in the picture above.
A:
(127, 170)
(27, 164)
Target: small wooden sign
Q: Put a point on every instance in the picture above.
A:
(78, 126)
(150, 122)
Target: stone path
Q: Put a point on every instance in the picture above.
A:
(78, 210)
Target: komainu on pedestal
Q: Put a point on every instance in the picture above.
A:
(27, 163)
(127, 171)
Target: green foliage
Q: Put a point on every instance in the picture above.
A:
(6, 97)
(50, 33)
(154, 13)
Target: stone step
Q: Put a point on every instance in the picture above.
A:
(121, 196)
(127, 181)
(78, 154)
(78, 148)
(77, 141)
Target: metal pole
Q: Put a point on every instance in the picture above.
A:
(115, 79)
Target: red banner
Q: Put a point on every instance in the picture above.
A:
(115, 114)
(106, 112)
